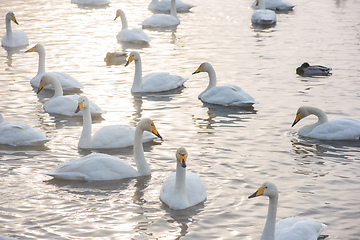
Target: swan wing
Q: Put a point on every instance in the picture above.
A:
(67, 82)
(19, 39)
(135, 35)
(161, 20)
(275, 5)
(196, 190)
(263, 17)
(164, 6)
(159, 82)
(298, 229)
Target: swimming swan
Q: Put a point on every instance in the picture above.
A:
(163, 20)
(99, 166)
(135, 35)
(275, 5)
(63, 105)
(91, 2)
(182, 189)
(294, 228)
(263, 16)
(20, 134)
(68, 83)
(113, 136)
(13, 38)
(153, 82)
(305, 70)
(227, 95)
(343, 128)
(164, 6)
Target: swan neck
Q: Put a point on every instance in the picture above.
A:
(262, 4)
(85, 139)
(136, 87)
(41, 68)
(173, 9)
(123, 21)
(180, 180)
(269, 229)
(57, 88)
(141, 164)
(320, 114)
(9, 33)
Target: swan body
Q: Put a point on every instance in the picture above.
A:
(99, 166)
(306, 70)
(227, 95)
(135, 35)
(164, 6)
(278, 5)
(63, 105)
(163, 20)
(294, 228)
(67, 82)
(183, 188)
(343, 128)
(113, 136)
(153, 82)
(20, 134)
(13, 38)
(263, 16)
(91, 2)
(115, 58)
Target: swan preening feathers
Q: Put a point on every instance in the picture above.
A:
(99, 166)
(163, 20)
(343, 128)
(289, 228)
(13, 38)
(182, 189)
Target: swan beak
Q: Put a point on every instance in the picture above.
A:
(257, 3)
(116, 18)
(30, 50)
(297, 119)
(154, 131)
(79, 107)
(14, 20)
(259, 192)
(40, 88)
(197, 70)
(129, 61)
(183, 160)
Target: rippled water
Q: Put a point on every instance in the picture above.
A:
(233, 151)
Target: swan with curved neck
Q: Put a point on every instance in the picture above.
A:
(263, 16)
(343, 128)
(183, 188)
(13, 38)
(99, 166)
(163, 20)
(289, 228)
(153, 82)
(226, 95)
(63, 105)
(165, 5)
(108, 137)
(67, 82)
(135, 35)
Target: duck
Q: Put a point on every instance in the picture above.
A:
(135, 35)
(63, 105)
(226, 95)
(13, 38)
(115, 58)
(182, 189)
(276, 5)
(20, 134)
(342, 128)
(164, 6)
(112, 136)
(263, 16)
(67, 82)
(163, 20)
(305, 70)
(294, 228)
(101, 167)
(153, 82)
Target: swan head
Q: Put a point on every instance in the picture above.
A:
(148, 125)
(83, 101)
(119, 13)
(181, 156)
(133, 56)
(45, 80)
(267, 189)
(204, 67)
(11, 16)
(301, 113)
(37, 48)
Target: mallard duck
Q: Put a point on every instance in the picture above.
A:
(306, 70)
(115, 58)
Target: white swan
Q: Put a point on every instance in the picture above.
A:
(164, 6)
(91, 2)
(113, 136)
(99, 166)
(68, 83)
(13, 38)
(279, 5)
(20, 134)
(226, 95)
(63, 105)
(182, 189)
(134, 35)
(163, 20)
(294, 228)
(343, 128)
(263, 16)
(153, 82)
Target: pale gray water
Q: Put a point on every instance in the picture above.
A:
(233, 151)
